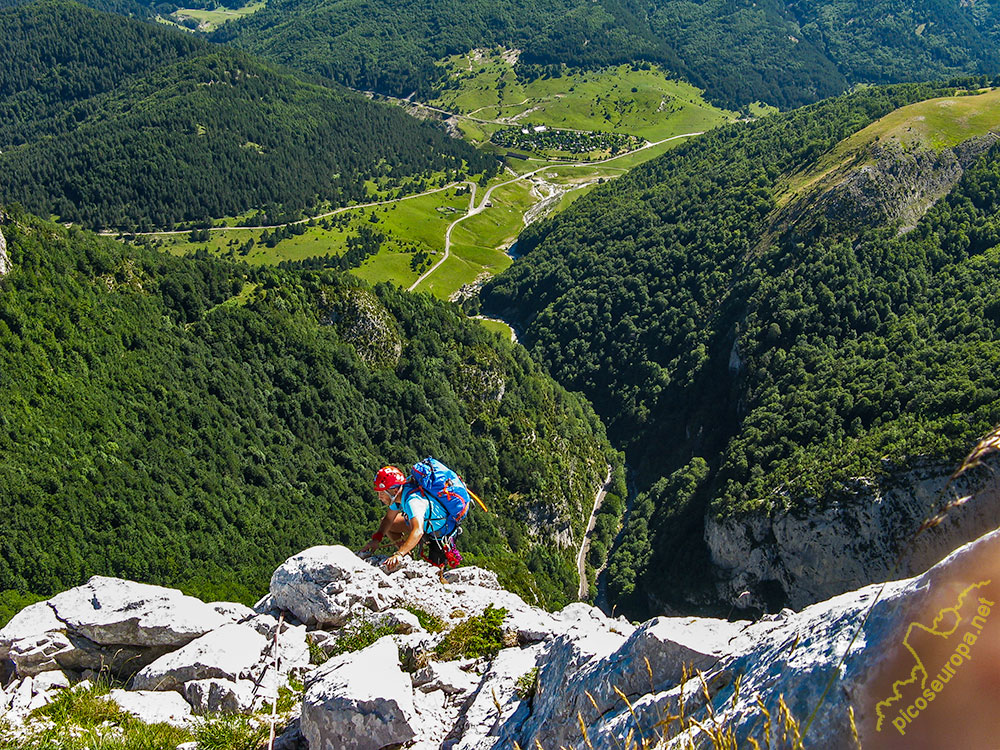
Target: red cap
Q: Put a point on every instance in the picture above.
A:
(388, 477)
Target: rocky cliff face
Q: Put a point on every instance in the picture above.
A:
(573, 679)
(867, 535)
(886, 183)
(900, 185)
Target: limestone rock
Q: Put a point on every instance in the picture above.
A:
(323, 585)
(153, 707)
(111, 611)
(55, 650)
(4, 258)
(782, 558)
(360, 701)
(448, 677)
(33, 620)
(482, 725)
(402, 620)
(54, 680)
(233, 611)
(228, 653)
(222, 696)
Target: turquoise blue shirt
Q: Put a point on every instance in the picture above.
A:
(415, 503)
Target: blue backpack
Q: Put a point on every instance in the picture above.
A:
(445, 486)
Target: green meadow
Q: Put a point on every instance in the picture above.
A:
(643, 102)
(209, 20)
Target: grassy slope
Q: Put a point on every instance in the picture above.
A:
(936, 123)
(645, 103)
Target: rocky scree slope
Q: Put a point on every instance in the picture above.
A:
(551, 673)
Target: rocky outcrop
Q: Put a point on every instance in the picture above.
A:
(771, 560)
(899, 185)
(107, 623)
(230, 653)
(886, 183)
(576, 678)
(328, 586)
(360, 701)
(4, 257)
(363, 322)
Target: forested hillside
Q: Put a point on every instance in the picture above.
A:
(108, 121)
(745, 366)
(190, 422)
(784, 53)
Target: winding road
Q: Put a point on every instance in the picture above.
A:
(585, 543)
(474, 209)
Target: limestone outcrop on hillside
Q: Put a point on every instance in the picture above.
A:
(867, 534)
(4, 259)
(554, 677)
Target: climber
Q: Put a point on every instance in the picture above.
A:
(409, 513)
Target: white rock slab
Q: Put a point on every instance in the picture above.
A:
(484, 727)
(446, 676)
(222, 696)
(153, 707)
(228, 653)
(233, 610)
(112, 611)
(32, 621)
(360, 701)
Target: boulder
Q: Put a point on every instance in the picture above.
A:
(230, 653)
(496, 712)
(324, 585)
(32, 621)
(55, 680)
(223, 696)
(402, 620)
(360, 701)
(449, 677)
(114, 612)
(153, 707)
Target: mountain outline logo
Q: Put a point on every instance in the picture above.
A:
(970, 608)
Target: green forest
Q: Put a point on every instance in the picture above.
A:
(785, 53)
(853, 345)
(111, 122)
(190, 422)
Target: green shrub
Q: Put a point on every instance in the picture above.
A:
(430, 623)
(479, 635)
(527, 684)
(359, 633)
(230, 733)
